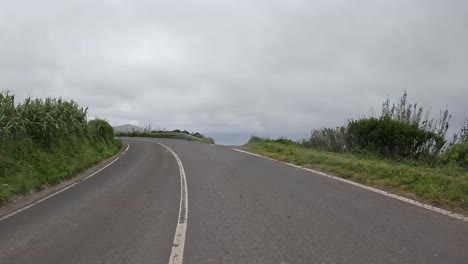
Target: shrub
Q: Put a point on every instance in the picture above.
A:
(393, 138)
(285, 141)
(282, 140)
(209, 140)
(403, 130)
(101, 130)
(330, 139)
(255, 139)
(457, 153)
(197, 134)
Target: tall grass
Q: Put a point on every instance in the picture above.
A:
(45, 141)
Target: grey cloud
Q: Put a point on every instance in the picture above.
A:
(240, 67)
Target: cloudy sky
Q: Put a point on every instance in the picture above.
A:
(231, 69)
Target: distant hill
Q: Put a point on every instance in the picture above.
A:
(127, 128)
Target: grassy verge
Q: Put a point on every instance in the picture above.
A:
(26, 166)
(44, 141)
(445, 186)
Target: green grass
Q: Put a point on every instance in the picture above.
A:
(44, 141)
(445, 186)
(27, 166)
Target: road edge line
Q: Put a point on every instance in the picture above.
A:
(372, 189)
(66, 187)
(178, 246)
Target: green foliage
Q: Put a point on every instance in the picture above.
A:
(197, 134)
(41, 121)
(283, 141)
(101, 130)
(403, 131)
(209, 140)
(45, 141)
(255, 139)
(330, 139)
(457, 153)
(25, 165)
(393, 138)
(462, 135)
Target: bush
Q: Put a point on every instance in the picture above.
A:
(255, 139)
(285, 141)
(197, 134)
(282, 140)
(101, 130)
(457, 153)
(392, 138)
(330, 139)
(403, 130)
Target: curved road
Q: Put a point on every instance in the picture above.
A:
(241, 209)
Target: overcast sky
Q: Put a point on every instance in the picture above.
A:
(235, 68)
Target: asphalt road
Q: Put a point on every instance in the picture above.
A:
(241, 209)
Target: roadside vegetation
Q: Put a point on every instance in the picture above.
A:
(43, 142)
(181, 134)
(403, 149)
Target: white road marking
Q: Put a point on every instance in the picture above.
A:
(36, 202)
(96, 172)
(177, 252)
(125, 151)
(372, 189)
(59, 191)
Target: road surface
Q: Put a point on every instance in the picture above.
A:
(241, 209)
